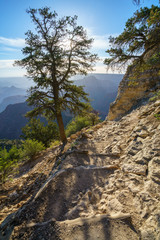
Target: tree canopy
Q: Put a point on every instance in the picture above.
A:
(139, 43)
(56, 51)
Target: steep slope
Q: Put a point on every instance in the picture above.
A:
(12, 120)
(104, 184)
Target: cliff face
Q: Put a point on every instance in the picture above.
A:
(105, 184)
(131, 93)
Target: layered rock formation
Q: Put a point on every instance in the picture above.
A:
(103, 185)
(133, 92)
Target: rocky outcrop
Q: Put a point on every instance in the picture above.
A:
(131, 93)
(103, 185)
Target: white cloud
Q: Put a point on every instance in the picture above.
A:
(8, 70)
(101, 42)
(17, 42)
(100, 67)
(6, 63)
(9, 49)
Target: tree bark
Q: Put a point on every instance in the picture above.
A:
(61, 128)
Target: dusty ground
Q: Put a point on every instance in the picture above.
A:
(103, 185)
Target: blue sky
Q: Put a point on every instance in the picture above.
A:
(101, 18)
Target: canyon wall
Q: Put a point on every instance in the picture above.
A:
(133, 92)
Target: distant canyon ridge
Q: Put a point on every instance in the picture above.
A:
(102, 90)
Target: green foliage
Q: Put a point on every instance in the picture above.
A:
(155, 97)
(36, 130)
(7, 143)
(55, 143)
(58, 50)
(93, 116)
(157, 115)
(79, 122)
(30, 148)
(139, 43)
(8, 162)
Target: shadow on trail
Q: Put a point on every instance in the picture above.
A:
(76, 174)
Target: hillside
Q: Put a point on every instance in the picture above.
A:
(12, 120)
(104, 184)
(11, 100)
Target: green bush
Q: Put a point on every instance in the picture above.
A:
(157, 115)
(36, 130)
(155, 97)
(7, 143)
(8, 162)
(79, 122)
(9, 159)
(30, 148)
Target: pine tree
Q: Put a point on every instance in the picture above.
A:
(56, 51)
(139, 43)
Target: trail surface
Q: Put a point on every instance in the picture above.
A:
(104, 185)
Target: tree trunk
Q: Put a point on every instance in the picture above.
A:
(61, 128)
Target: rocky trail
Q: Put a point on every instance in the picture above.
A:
(104, 184)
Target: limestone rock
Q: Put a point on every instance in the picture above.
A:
(129, 94)
(136, 168)
(154, 169)
(114, 206)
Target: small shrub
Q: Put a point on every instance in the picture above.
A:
(30, 148)
(8, 162)
(155, 97)
(88, 119)
(55, 143)
(37, 130)
(77, 124)
(157, 115)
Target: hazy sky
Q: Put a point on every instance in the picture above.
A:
(101, 18)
